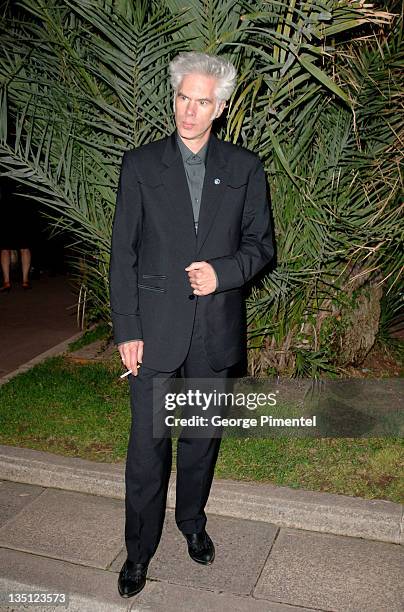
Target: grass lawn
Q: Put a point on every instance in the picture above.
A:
(83, 411)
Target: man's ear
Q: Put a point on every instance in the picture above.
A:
(220, 109)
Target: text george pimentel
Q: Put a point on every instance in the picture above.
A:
(218, 421)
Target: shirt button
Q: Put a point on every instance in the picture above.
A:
(191, 297)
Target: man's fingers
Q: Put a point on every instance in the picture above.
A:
(196, 265)
(131, 354)
(127, 358)
(200, 276)
(136, 356)
(198, 286)
(124, 357)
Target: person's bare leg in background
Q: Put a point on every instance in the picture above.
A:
(25, 264)
(5, 266)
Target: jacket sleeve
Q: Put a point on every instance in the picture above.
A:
(256, 247)
(123, 268)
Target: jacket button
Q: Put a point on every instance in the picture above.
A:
(191, 297)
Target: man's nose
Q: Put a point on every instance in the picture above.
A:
(191, 108)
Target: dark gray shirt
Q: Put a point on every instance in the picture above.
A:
(194, 166)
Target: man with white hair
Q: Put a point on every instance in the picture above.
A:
(191, 227)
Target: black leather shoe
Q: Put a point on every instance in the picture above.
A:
(200, 547)
(132, 578)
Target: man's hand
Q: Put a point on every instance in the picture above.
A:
(202, 277)
(132, 354)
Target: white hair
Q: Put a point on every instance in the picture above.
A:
(210, 65)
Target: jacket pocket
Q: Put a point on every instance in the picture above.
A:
(154, 276)
(237, 183)
(151, 288)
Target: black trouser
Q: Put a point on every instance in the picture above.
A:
(148, 464)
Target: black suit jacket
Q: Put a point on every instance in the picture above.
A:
(153, 241)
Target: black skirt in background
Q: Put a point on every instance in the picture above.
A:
(17, 222)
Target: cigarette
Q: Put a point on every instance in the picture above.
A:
(126, 374)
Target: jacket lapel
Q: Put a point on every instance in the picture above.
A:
(213, 189)
(175, 183)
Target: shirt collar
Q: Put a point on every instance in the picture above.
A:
(187, 154)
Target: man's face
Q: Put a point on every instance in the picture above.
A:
(195, 108)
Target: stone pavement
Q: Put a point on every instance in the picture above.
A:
(69, 540)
